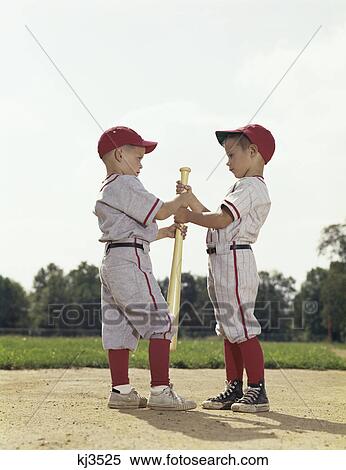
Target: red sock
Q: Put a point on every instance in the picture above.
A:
(118, 360)
(159, 361)
(252, 353)
(233, 361)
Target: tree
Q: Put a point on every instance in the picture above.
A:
(188, 287)
(83, 284)
(333, 292)
(49, 288)
(309, 305)
(13, 304)
(84, 291)
(274, 305)
(202, 299)
(194, 320)
(333, 296)
(333, 242)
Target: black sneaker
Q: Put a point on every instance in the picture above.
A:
(254, 400)
(224, 401)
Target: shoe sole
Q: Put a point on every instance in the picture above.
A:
(128, 406)
(216, 406)
(250, 408)
(170, 408)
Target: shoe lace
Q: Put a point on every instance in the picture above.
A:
(250, 396)
(172, 392)
(229, 389)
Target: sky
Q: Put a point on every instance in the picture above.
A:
(175, 72)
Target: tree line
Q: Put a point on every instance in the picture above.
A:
(69, 303)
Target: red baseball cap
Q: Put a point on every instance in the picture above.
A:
(115, 137)
(256, 134)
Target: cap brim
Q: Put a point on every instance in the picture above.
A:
(221, 135)
(148, 145)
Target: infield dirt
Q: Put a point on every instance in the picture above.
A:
(67, 409)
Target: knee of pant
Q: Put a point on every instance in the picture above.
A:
(219, 330)
(237, 338)
(172, 332)
(233, 337)
(112, 342)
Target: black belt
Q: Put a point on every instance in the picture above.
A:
(116, 245)
(210, 251)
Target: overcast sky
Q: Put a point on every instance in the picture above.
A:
(175, 71)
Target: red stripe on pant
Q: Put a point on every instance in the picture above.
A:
(237, 291)
(170, 327)
(150, 291)
(146, 277)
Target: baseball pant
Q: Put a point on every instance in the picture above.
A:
(132, 303)
(232, 287)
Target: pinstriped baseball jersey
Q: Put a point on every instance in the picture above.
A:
(249, 203)
(125, 209)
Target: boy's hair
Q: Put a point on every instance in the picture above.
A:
(241, 139)
(126, 147)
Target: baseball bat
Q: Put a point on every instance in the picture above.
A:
(174, 286)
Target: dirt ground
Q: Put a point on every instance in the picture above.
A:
(66, 409)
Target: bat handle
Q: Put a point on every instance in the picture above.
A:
(184, 174)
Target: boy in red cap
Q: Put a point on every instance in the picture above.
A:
(132, 304)
(232, 279)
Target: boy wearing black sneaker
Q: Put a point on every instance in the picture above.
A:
(233, 279)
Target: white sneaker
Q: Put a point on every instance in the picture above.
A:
(169, 400)
(126, 400)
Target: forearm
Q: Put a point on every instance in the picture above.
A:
(210, 219)
(196, 205)
(162, 233)
(169, 208)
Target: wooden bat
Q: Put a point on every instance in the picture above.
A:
(174, 286)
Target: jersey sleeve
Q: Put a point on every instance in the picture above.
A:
(238, 201)
(130, 196)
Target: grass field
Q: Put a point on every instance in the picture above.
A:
(18, 352)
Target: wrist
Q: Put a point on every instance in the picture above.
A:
(189, 215)
(164, 232)
(161, 233)
(186, 197)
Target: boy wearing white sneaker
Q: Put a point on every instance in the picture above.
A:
(132, 304)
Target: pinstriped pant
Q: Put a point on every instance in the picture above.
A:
(232, 287)
(132, 304)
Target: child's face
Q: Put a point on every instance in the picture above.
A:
(132, 160)
(239, 160)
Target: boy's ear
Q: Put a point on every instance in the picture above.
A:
(118, 155)
(253, 149)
